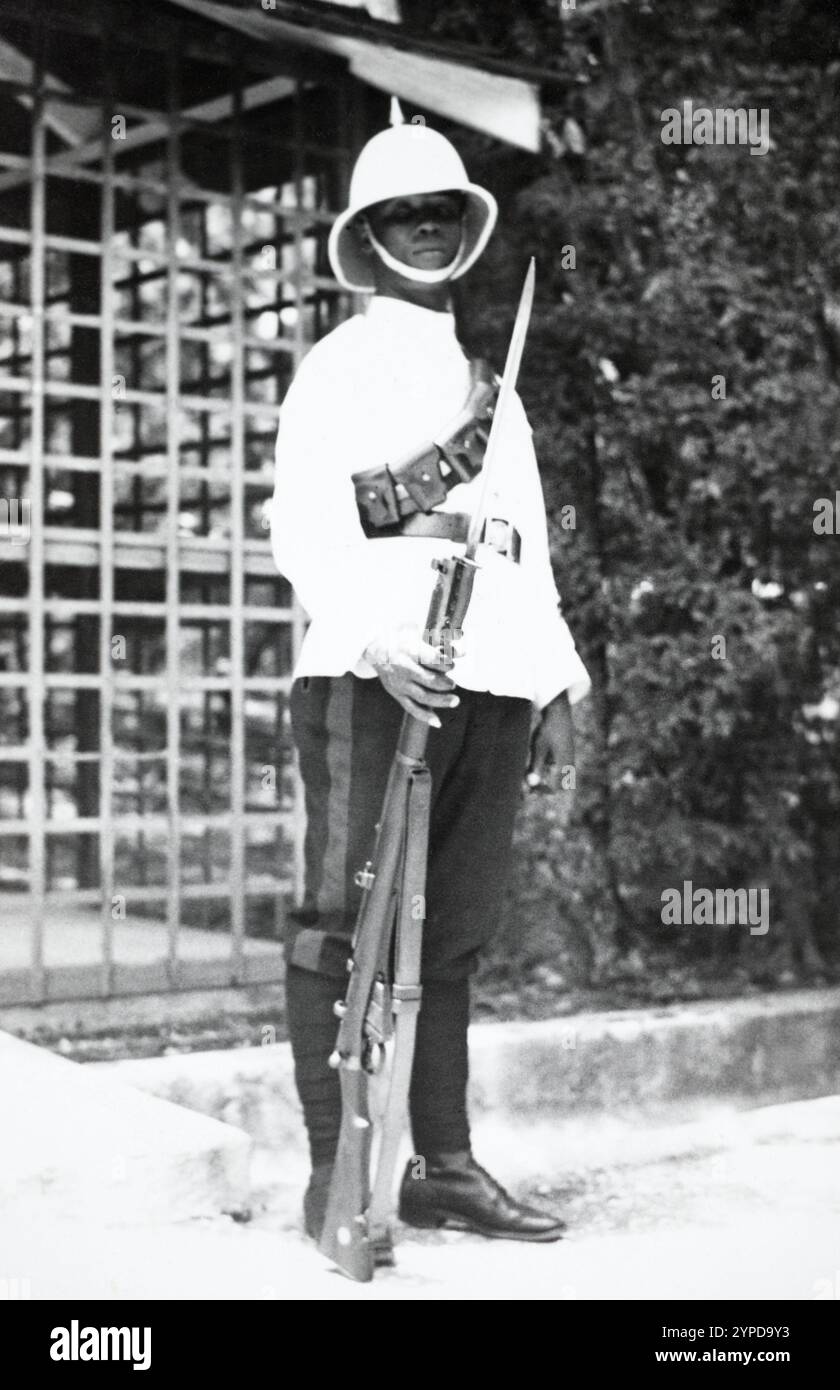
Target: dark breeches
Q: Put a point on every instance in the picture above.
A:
(346, 731)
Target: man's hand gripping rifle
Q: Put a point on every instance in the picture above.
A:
(384, 992)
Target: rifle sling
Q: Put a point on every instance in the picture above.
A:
(406, 992)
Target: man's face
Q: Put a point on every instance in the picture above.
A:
(423, 230)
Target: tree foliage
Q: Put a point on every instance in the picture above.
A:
(683, 380)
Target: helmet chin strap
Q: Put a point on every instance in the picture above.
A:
(423, 277)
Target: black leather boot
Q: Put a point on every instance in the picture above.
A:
(458, 1194)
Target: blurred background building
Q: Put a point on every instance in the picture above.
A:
(168, 176)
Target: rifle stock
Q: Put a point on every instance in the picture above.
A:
(345, 1234)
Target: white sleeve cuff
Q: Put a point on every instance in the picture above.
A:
(561, 669)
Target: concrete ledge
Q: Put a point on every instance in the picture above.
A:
(773, 1048)
(76, 1140)
(745, 1052)
(252, 1088)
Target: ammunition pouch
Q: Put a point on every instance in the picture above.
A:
(420, 481)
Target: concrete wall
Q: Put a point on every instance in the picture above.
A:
(742, 1052)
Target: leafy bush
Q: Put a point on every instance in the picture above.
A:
(682, 381)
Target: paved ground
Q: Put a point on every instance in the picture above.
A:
(743, 1207)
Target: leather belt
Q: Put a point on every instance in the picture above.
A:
(454, 526)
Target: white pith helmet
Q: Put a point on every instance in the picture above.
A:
(402, 162)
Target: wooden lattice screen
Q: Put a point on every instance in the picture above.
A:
(162, 269)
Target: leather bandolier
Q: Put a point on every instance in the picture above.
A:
(398, 499)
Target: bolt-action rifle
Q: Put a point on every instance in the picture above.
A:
(384, 993)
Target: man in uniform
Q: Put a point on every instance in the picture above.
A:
(373, 393)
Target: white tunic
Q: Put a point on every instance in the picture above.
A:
(381, 384)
